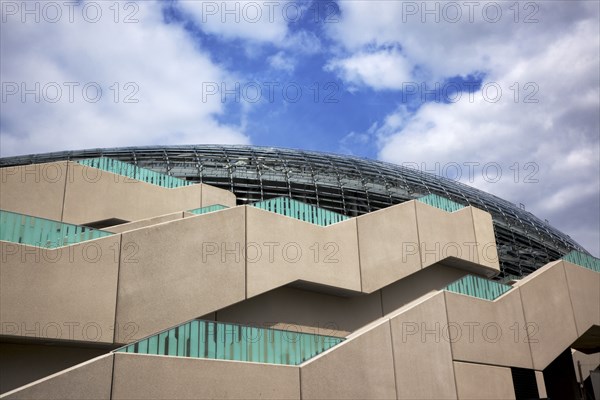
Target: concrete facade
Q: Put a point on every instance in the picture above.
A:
(377, 281)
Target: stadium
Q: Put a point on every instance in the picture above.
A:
(212, 271)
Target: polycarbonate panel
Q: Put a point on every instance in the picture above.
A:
(583, 260)
(441, 202)
(207, 209)
(226, 341)
(476, 286)
(134, 172)
(302, 211)
(42, 232)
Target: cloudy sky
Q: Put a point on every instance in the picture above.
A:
(503, 96)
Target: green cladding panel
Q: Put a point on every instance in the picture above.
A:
(134, 172)
(583, 260)
(478, 287)
(41, 232)
(225, 341)
(302, 211)
(207, 209)
(440, 202)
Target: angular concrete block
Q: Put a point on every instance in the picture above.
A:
(483, 382)
(68, 293)
(140, 376)
(584, 288)
(90, 380)
(548, 312)
(36, 189)
(422, 353)
(361, 368)
(389, 245)
(177, 271)
(282, 250)
(489, 332)
(94, 195)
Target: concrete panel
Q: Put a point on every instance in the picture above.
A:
(21, 364)
(487, 253)
(489, 332)
(423, 358)
(541, 385)
(547, 308)
(144, 223)
(283, 250)
(304, 311)
(428, 280)
(67, 293)
(584, 288)
(89, 188)
(443, 234)
(36, 189)
(389, 245)
(212, 195)
(589, 362)
(180, 270)
(360, 368)
(158, 377)
(90, 380)
(483, 382)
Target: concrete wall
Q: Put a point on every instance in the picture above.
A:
(584, 291)
(157, 377)
(90, 380)
(423, 357)
(489, 332)
(144, 223)
(37, 189)
(177, 271)
(67, 293)
(304, 311)
(282, 250)
(547, 308)
(482, 382)
(22, 363)
(70, 192)
(360, 368)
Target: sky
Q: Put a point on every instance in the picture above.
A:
(503, 96)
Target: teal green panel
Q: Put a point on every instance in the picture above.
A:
(217, 340)
(478, 287)
(41, 232)
(134, 172)
(208, 209)
(583, 260)
(440, 202)
(153, 345)
(172, 342)
(298, 210)
(194, 339)
(143, 346)
(162, 343)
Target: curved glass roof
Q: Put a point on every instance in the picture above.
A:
(344, 184)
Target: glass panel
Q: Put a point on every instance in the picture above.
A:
(42, 232)
(298, 210)
(476, 286)
(227, 341)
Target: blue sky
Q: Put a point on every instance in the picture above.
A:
(493, 87)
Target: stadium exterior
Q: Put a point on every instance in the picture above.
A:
(251, 272)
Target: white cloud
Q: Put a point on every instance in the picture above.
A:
(282, 62)
(550, 49)
(559, 134)
(382, 69)
(240, 19)
(168, 75)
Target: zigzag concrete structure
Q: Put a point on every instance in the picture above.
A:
(384, 283)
